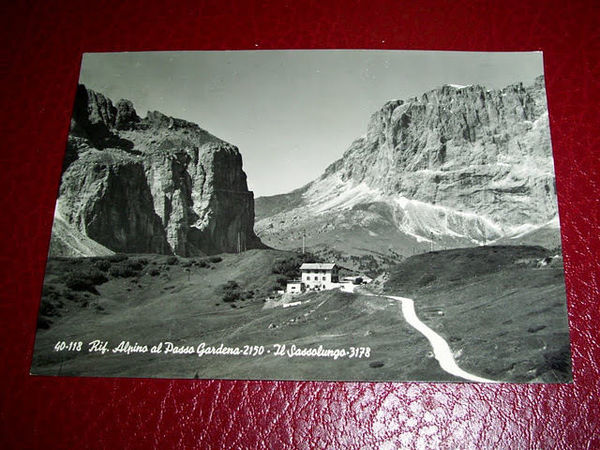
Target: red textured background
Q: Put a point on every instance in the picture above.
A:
(44, 41)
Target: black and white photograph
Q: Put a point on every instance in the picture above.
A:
(335, 215)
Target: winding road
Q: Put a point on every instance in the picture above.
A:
(441, 349)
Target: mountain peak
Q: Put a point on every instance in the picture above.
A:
(458, 164)
(152, 185)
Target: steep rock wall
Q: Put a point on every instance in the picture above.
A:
(152, 185)
(465, 147)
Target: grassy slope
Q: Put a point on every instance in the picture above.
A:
(504, 317)
(547, 236)
(274, 204)
(186, 308)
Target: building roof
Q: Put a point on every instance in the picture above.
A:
(317, 266)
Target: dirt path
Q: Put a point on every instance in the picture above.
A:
(441, 349)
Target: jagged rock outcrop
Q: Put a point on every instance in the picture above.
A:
(465, 147)
(151, 185)
(126, 117)
(459, 165)
(108, 199)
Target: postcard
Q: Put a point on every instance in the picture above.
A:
(349, 215)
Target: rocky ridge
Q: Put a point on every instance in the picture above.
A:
(459, 165)
(149, 185)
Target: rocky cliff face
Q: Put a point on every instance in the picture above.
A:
(464, 147)
(459, 165)
(151, 185)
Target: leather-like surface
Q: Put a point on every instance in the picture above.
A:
(44, 42)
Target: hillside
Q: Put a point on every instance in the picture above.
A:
(501, 308)
(439, 269)
(147, 299)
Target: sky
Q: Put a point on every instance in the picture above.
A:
(291, 113)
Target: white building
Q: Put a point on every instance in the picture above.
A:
(317, 276)
(357, 279)
(295, 287)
